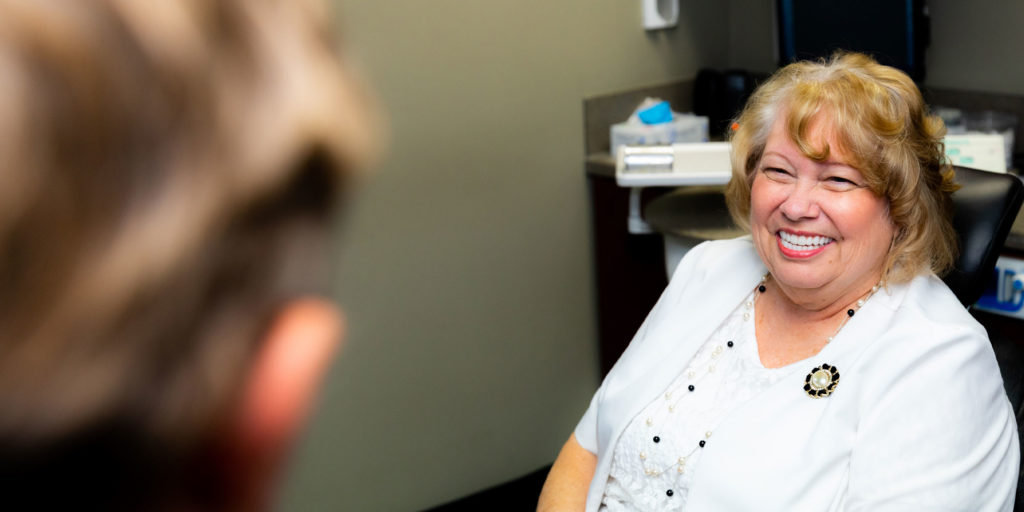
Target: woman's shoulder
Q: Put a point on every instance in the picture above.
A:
(930, 306)
(711, 256)
(931, 404)
(732, 265)
(930, 343)
(733, 247)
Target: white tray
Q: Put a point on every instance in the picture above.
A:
(699, 163)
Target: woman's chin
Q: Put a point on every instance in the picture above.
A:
(803, 283)
(802, 276)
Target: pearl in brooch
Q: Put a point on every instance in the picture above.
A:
(822, 381)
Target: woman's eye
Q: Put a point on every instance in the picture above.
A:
(776, 173)
(840, 183)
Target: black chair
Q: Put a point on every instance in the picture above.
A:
(983, 211)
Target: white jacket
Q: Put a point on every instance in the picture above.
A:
(919, 420)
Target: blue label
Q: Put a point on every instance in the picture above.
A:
(1012, 299)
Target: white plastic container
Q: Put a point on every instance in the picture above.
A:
(683, 128)
(990, 121)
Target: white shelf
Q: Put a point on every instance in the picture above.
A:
(703, 163)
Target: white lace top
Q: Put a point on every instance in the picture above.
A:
(659, 451)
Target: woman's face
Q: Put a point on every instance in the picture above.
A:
(817, 226)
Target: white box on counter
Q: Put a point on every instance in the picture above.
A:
(683, 128)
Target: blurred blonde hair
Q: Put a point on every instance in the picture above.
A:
(881, 121)
(168, 171)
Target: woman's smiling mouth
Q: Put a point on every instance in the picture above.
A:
(801, 246)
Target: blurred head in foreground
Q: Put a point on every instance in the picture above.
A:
(168, 173)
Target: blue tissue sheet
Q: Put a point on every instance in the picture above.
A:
(656, 114)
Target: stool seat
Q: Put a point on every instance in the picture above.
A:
(696, 213)
(688, 216)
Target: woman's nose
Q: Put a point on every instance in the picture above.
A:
(801, 202)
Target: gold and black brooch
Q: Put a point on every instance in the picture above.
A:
(822, 381)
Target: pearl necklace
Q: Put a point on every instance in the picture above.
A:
(849, 312)
(820, 378)
(686, 388)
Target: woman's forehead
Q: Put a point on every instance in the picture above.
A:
(816, 137)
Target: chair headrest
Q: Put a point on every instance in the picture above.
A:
(983, 211)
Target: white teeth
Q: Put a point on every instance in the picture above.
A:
(803, 243)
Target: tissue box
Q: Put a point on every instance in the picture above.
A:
(684, 128)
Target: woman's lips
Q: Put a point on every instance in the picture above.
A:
(801, 246)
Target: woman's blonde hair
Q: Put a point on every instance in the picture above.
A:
(881, 121)
(168, 172)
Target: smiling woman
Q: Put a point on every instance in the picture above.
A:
(820, 363)
(822, 233)
(886, 137)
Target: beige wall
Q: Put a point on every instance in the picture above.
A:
(467, 261)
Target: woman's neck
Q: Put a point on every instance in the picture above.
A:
(817, 304)
(789, 330)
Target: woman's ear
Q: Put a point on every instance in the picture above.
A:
(277, 395)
